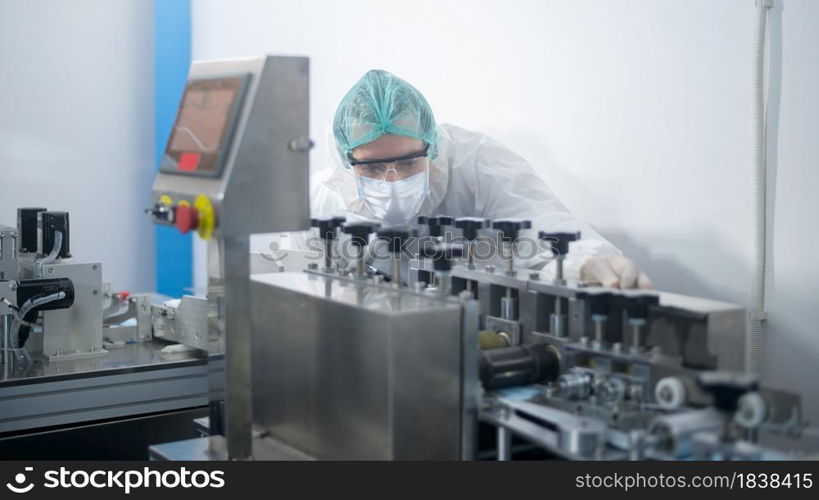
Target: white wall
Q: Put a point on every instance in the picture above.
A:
(637, 113)
(76, 125)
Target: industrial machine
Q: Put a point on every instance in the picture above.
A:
(370, 353)
(80, 358)
(236, 164)
(586, 372)
(76, 357)
(240, 136)
(74, 325)
(381, 342)
(352, 363)
(572, 370)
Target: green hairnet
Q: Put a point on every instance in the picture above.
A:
(381, 103)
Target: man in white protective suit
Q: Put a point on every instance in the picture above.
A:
(392, 163)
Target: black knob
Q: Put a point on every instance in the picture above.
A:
(637, 305)
(559, 241)
(727, 387)
(435, 223)
(160, 212)
(598, 302)
(470, 226)
(327, 226)
(442, 255)
(396, 237)
(509, 229)
(359, 232)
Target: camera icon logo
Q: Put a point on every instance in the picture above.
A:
(20, 478)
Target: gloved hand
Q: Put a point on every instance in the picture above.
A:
(614, 271)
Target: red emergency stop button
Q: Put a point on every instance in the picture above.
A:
(186, 218)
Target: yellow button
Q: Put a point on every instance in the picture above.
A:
(207, 216)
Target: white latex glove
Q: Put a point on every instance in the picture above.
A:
(614, 271)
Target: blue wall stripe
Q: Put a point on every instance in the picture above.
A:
(172, 58)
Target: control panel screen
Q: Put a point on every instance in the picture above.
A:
(204, 125)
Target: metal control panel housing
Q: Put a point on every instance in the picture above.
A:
(260, 183)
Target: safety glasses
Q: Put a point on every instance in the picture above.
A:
(401, 167)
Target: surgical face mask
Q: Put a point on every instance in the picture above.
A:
(394, 202)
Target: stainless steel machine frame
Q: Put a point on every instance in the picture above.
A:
(116, 332)
(186, 323)
(75, 332)
(345, 368)
(262, 187)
